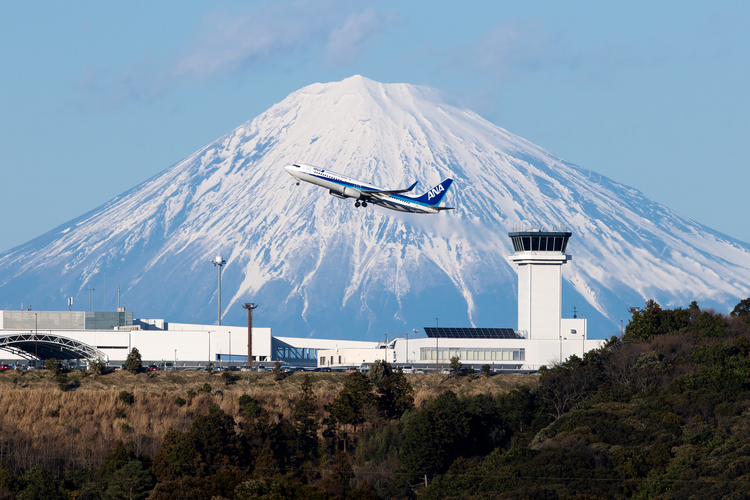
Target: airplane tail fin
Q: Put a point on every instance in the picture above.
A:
(435, 195)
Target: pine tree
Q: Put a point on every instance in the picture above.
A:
(134, 363)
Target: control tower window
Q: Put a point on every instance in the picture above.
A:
(526, 243)
(535, 243)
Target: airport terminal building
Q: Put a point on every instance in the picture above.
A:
(542, 338)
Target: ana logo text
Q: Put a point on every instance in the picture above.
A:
(435, 191)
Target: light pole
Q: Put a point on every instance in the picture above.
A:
(250, 306)
(437, 346)
(36, 339)
(218, 263)
(407, 342)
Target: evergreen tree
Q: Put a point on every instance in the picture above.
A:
(742, 310)
(395, 395)
(134, 363)
(306, 420)
(380, 370)
(131, 482)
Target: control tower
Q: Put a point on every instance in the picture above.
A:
(540, 256)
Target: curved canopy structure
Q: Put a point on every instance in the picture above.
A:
(48, 346)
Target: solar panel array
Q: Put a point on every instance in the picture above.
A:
(471, 333)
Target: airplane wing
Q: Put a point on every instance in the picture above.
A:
(396, 191)
(444, 208)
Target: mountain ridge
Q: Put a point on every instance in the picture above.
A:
(310, 257)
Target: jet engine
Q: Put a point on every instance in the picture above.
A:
(346, 192)
(352, 193)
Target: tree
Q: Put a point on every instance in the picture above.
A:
(742, 310)
(379, 370)
(395, 395)
(348, 408)
(278, 373)
(434, 435)
(134, 363)
(58, 372)
(306, 420)
(455, 366)
(130, 482)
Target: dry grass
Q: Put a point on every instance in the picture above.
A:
(42, 425)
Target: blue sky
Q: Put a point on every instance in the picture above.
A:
(96, 97)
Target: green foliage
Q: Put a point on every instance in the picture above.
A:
(742, 310)
(455, 366)
(228, 378)
(486, 370)
(348, 408)
(211, 443)
(206, 388)
(180, 401)
(132, 481)
(39, 483)
(379, 370)
(278, 373)
(210, 367)
(448, 428)
(395, 395)
(306, 421)
(99, 367)
(249, 405)
(126, 398)
(134, 363)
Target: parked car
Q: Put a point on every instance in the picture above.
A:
(153, 368)
(4, 367)
(262, 368)
(407, 369)
(326, 369)
(232, 369)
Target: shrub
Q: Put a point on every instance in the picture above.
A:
(125, 397)
(250, 405)
(277, 373)
(180, 401)
(486, 370)
(206, 388)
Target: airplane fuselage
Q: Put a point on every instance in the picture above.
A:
(343, 187)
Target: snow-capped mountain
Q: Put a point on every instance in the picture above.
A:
(319, 266)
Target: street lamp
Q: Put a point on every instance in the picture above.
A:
(437, 346)
(218, 263)
(250, 306)
(407, 343)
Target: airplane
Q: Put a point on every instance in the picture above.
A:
(343, 187)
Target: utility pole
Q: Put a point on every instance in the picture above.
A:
(250, 306)
(218, 263)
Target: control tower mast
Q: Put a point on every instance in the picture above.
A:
(539, 256)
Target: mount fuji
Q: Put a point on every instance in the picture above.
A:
(320, 267)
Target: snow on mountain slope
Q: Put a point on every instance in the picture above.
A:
(318, 266)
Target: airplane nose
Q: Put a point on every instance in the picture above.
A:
(289, 168)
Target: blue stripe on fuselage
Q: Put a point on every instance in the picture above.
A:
(356, 186)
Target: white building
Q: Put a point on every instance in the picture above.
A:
(543, 337)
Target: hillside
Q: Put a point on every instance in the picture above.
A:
(663, 412)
